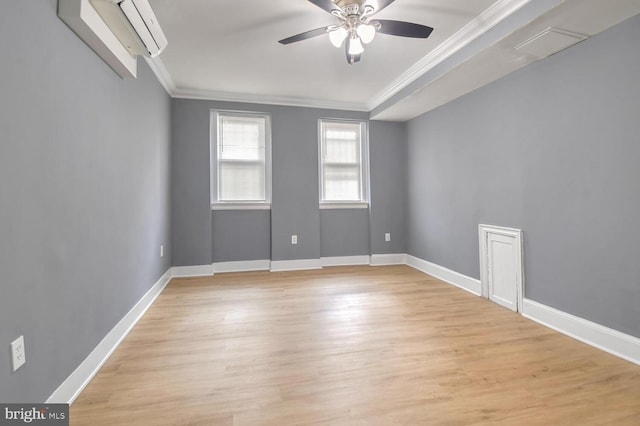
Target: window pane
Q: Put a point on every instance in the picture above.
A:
(342, 145)
(241, 181)
(340, 161)
(241, 138)
(241, 157)
(341, 151)
(341, 183)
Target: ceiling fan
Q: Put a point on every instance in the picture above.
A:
(356, 26)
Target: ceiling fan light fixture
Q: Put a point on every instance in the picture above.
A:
(355, 46)
(356, 27)
(338, 36)
(366, 32)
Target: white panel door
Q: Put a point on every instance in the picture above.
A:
(502, 270)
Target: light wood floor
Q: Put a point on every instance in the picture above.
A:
(350, 346)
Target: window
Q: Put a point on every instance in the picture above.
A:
(240, 160)
(343, 171)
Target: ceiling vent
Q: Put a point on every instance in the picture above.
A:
(548, 42)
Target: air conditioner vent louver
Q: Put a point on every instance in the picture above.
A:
(548, 42)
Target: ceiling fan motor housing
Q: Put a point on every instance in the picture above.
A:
(352, 9)
(344, 3)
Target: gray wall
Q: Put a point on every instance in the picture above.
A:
(552, 149)
(344, 232)
(388, 156)
(84, 196)
(241, 235)
(201, 236)
(191, 206)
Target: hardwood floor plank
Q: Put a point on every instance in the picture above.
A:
(350, 346)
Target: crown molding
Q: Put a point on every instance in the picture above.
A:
(498, 11)
(162, 74)
(212, 95)
(165, 79)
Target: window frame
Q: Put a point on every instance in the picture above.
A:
(214, 137)
(363, 202)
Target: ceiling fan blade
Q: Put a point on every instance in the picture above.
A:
(304, 36)
(327, 5)
(378, 5)
(403, 29)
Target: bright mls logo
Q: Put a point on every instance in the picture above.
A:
(36, 414)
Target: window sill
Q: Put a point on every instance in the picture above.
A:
(336, 206)
(240, 206)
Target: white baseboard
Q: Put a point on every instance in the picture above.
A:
(295, 265)
(612, 341)
(345, 260)
(609, 340)
(191, 271)
(69, 390)
(242, 266)
(388, 259)
(472, 285)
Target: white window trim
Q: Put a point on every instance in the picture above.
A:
(363, 203)
(239, 205)
(332, 205)
(213, 161)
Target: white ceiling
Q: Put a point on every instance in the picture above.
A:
(229, 50)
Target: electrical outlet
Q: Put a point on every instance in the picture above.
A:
(17, 353)
(162, 251)
(294, 239)
(387, 236)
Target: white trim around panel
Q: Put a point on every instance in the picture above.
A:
(516, 234)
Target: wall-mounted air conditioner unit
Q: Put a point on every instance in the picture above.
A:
(134, 24)
(117, 30)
